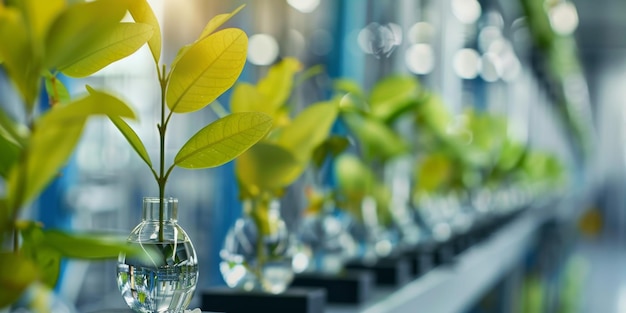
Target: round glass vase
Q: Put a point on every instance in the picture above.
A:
(165, 280)
(327, 239)
(257, 252)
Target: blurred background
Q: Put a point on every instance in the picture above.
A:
(558, 78)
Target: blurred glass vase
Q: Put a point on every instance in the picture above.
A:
(257, 252)
(325, 235)
(167, 281)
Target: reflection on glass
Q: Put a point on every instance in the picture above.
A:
(380, 40)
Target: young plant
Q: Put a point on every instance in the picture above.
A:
(370, 119)
(200, 73)
(47, 38)
(269, 167)
(281, 157)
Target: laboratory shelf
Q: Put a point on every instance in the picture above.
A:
(454, 287)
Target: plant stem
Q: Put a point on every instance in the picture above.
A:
(260, 249)
(16, 241)
(162, 179)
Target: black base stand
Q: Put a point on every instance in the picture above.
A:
(351, 286)
(239, 301)
(389, 271)
(443, 253)
(421, 258)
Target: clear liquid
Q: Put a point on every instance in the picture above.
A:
(167, 288)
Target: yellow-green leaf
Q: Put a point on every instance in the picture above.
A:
(16, 274)
(142, 13)
(53, 140)
(433, 172)
(267, 167)
(123, 40)
(132, 138)
(377, 140)
(332, 146)
(47, 261)
(308, 129)
(354, 182)
(218, 21)
(348, 86)
(12, 131)
(40, 14)
(245, 98)
(223, 140)
(277, 85)
(206, 70)
(392, 96)
(50, 147)
(9, 156)
(80, 27)
(91, 245)
(22, 65)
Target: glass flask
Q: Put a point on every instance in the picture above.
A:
(257, 252)
(164, 281)
(328, 240)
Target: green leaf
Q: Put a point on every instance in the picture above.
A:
(267, 167)
(88, 245)
(16, 274)
(5, 215)
(223, 140)
(393, 96)
(39, 15)
(206, 70)
(332, 146)
(57, 93)
(132, 138)
(210, 27)
(123, 40)
(47, 261)
(433, 115)
(354, 181)
(142, 13)
(277, 85)
(348, 86)
(55, 136)
(80, 27)
(378, 141)
(218, 21)
(12, 131)
(22, 65)
(246, 98)
(9, 156)
(96, 102)
(309, 129)
(433, 172)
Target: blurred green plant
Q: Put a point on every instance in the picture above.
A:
(47, 38)
(292, 145)
(561, 63)
(370, 119)
(473, 150)
(264, 171)
(200, 72)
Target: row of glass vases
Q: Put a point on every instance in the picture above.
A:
(259, 253)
